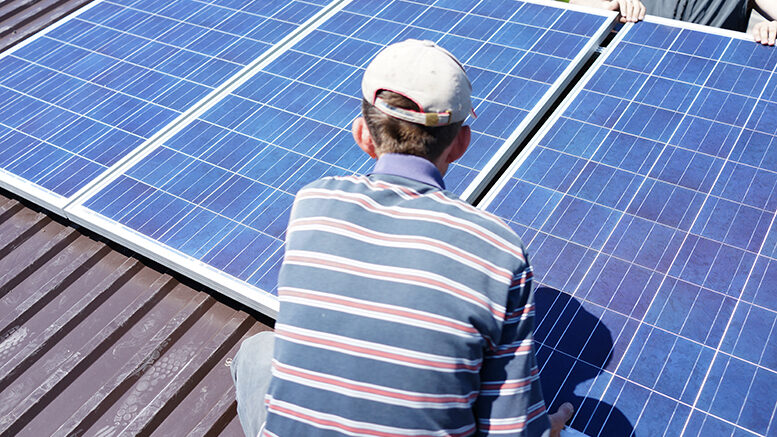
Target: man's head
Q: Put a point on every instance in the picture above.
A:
(416, 97)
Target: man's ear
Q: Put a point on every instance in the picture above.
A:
(459, 144)
(361, 134)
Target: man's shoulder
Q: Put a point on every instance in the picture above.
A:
(478, 216)
(493, 228)
(350, 183)
(388, 193)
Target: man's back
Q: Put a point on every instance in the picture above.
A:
(404, 311)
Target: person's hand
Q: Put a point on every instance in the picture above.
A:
(559, 418)
(631, 10)
(765, 32)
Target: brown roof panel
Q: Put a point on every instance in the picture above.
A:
(96, 342)
(232, 429)
(207, 401)
(22, 18)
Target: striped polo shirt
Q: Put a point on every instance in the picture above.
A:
(404, 311)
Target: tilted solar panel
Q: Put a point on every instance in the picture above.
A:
(91, 89)
(648, 204)
(215, 198)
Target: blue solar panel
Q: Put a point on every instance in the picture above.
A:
(220, 190)
(648, 204)
(84, 94)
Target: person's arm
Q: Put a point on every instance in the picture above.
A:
(630, 10)
(510, 400)
(766, 32)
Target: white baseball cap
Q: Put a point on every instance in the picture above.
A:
(425, 73)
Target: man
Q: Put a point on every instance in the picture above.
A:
(630, 11)
(403, 310)
(726, 14)
(764, 32)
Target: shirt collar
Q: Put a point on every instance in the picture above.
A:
(411, 167)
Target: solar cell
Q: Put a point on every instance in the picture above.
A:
(648, 203)
(218, 193)
(79, 97)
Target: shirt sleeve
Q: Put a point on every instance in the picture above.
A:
(510, 401)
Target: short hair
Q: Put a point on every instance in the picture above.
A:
(392, 135)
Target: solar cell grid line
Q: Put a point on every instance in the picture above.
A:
(145, 244)
(215, 197)
(95, 86)
(650, 199)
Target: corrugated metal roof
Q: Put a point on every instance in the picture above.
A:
(95, 342)
(21, 18)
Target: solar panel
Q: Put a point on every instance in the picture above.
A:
(648, 203)
(85, 93)
(215, 198)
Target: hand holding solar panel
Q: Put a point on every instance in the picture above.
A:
(765, 32)
(726, 14)
(630, 11)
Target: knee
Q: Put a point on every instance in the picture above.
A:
(255, 350)
(260, 343)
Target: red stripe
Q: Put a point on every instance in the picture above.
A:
(356, 387)
(474, 210)
(395, 312)
(452, 223)
(516, 426)
(377, 353)
(414, 278)
(527, 309)
(521, 279)
(506, 385)
(354, 429)
(386, 186)
(438, 194)
(512, 350)
(403, 239)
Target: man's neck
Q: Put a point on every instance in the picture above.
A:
(411, 167)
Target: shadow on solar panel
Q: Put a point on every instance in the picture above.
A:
(566, 330)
